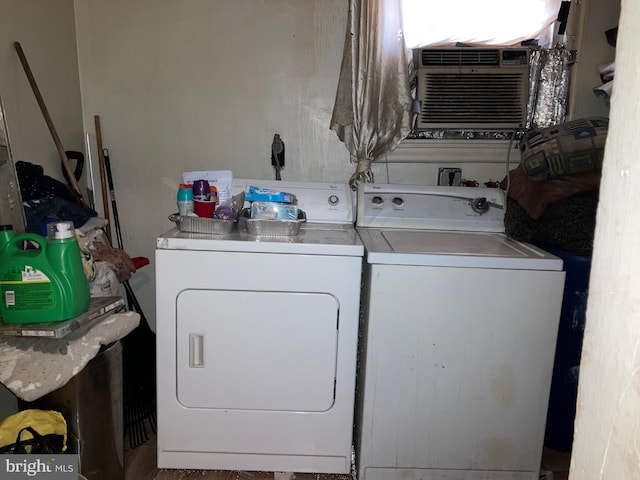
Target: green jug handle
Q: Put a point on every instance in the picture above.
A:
(12, 245)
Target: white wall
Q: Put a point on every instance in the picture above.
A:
(418, 161)
(200, 84)
(46, 31)
(608, 415)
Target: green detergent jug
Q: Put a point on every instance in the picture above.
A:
(44, 284)
(6, 234)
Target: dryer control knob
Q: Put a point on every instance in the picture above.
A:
(377, 200)
(334, 200)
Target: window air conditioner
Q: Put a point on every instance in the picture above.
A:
(473, 87)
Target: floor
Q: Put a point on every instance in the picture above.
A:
(140, 464)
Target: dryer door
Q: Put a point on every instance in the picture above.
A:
(249, 350)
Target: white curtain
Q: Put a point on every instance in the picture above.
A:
(372, 111)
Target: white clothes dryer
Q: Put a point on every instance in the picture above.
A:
(458, 338)
(257, 341)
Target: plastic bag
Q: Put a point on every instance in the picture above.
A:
(33, 431)
(36, 444)
(105, 282)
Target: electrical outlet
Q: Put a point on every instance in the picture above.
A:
(451, 177)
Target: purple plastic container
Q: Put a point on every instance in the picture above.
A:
(201, 190)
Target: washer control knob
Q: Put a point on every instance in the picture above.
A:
(334, 200)
(397, 201)
(377, 200)
(480, 205)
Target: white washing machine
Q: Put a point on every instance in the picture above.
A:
(458, 338)
(257, 341)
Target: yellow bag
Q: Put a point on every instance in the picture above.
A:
(45, 422)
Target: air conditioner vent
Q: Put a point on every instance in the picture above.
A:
(487, 94)
(460, 57)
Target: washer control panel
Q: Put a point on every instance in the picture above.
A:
(431, 207)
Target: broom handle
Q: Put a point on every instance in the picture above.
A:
(103, 178)
(73, 183)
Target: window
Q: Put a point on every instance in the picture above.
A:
(478, 22)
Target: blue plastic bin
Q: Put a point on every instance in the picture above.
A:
(564, 384)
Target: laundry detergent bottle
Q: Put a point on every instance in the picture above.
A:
(6, 234)
(43, 284)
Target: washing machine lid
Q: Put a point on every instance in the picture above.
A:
(313, 239)
(453, 249)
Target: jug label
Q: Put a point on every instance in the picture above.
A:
(24, 274)
(23, 296)
(30, 274)
(26, 288)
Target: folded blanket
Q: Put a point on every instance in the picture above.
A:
(569, 224)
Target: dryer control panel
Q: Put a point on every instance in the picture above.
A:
(321, 202)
